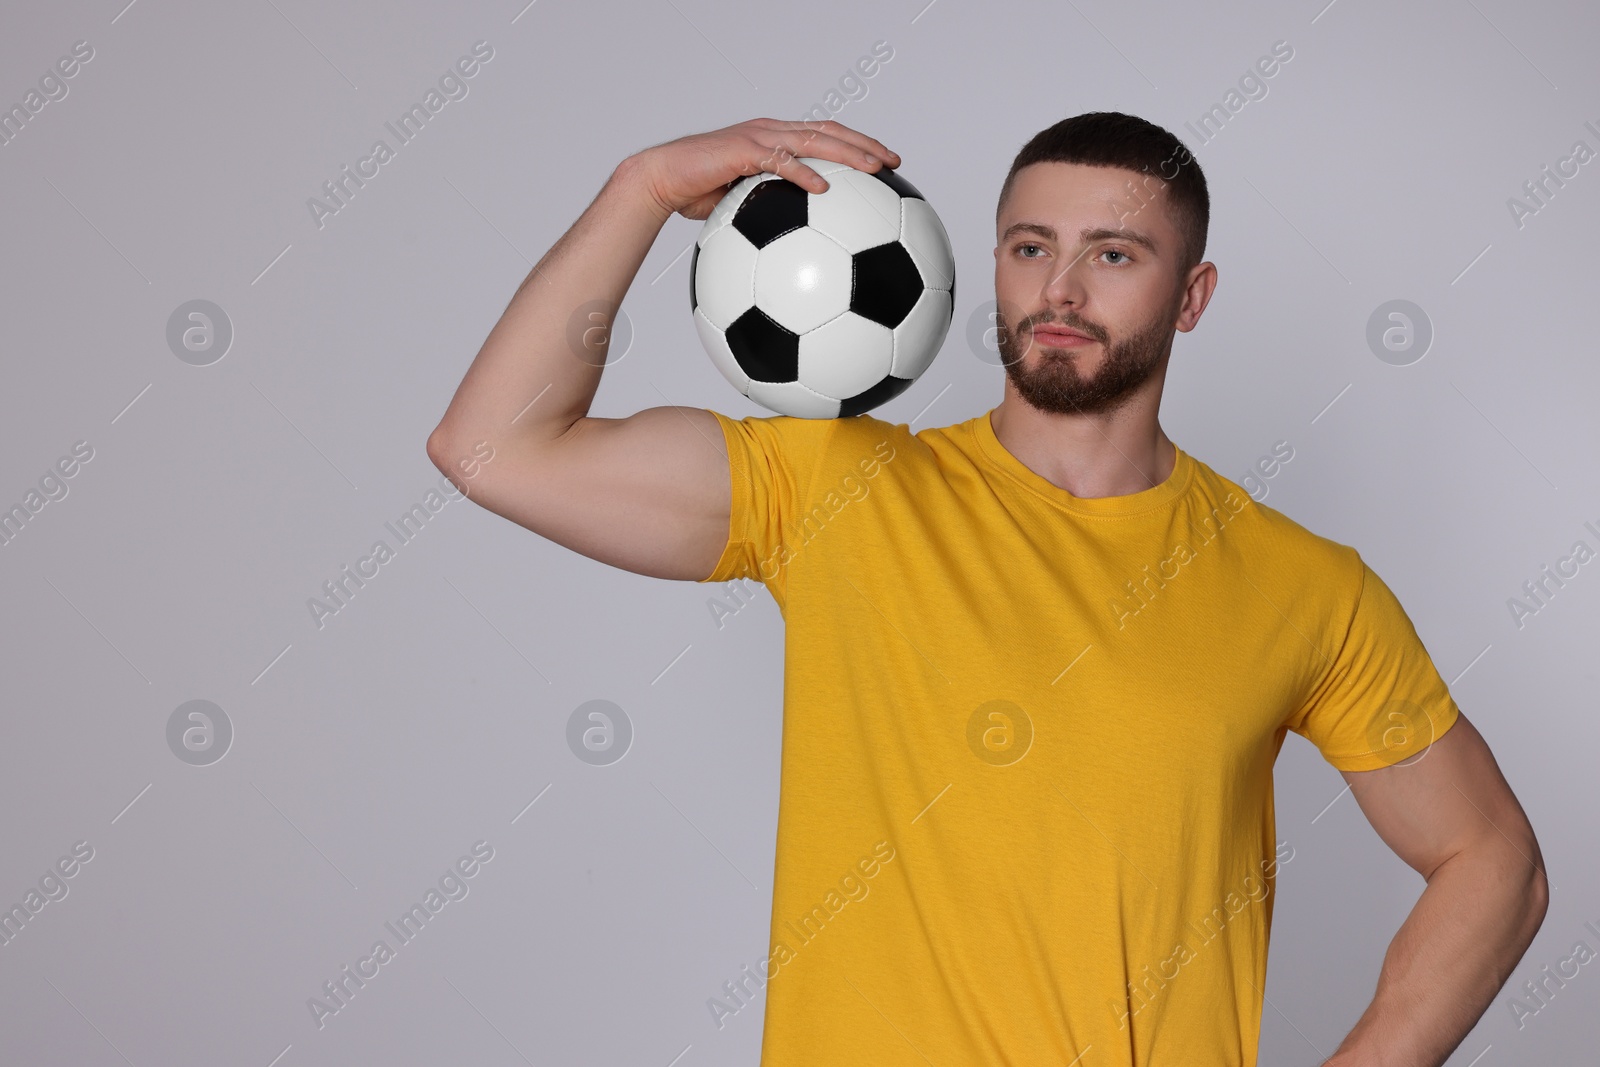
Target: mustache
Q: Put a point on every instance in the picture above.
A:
(1071, 322)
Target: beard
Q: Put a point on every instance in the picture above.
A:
(1053, 382)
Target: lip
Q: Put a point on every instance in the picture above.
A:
(1062, 336)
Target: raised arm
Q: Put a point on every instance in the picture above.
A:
(648, 493)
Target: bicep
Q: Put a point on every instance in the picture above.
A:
(1449, 796)
(649, 493)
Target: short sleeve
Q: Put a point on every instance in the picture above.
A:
(770, 464)
(1380, 700)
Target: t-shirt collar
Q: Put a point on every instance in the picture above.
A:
(1156, 496)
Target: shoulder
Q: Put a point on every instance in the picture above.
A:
(866, 433)
(1271, 538)
(804, 453)
(836, 444)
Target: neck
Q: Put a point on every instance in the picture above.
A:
(1095, 455)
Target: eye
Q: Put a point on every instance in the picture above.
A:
(1116, 252)
(1027, 245)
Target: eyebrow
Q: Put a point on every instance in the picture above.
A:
(1086, 235)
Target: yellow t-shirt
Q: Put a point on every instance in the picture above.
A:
(1025, 814)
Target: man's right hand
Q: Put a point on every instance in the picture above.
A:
(688, 176)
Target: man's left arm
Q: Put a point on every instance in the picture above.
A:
(1449, 814)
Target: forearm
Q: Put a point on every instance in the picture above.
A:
(1449, 959)
(544, 347)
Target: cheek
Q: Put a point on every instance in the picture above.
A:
(1119, 306)
(1140, 300)
(1015, 287)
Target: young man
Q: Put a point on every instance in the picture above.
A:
(1039, 663)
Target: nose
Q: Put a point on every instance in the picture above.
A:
(1064, 288)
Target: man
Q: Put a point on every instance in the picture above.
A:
(1039, 662)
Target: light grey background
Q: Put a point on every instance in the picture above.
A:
(430, 712)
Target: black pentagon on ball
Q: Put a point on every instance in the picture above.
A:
(765, 350)
(770, 210)
(881, 393)
(885, 284)
(897, 183)
(694, 299)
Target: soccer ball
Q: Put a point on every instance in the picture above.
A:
(822, 305)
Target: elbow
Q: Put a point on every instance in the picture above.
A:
(442, 453)
(439, 448)
(1538, 901)
(456, 460)
(1527, 895)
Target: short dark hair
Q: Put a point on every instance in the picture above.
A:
(1112, 139)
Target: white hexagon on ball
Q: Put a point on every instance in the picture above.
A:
(916, 340)
(847, 356)
(724, 276)
(924, 237)
(858, 211)
(802, 280)
(716, 344)
(793, 399)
